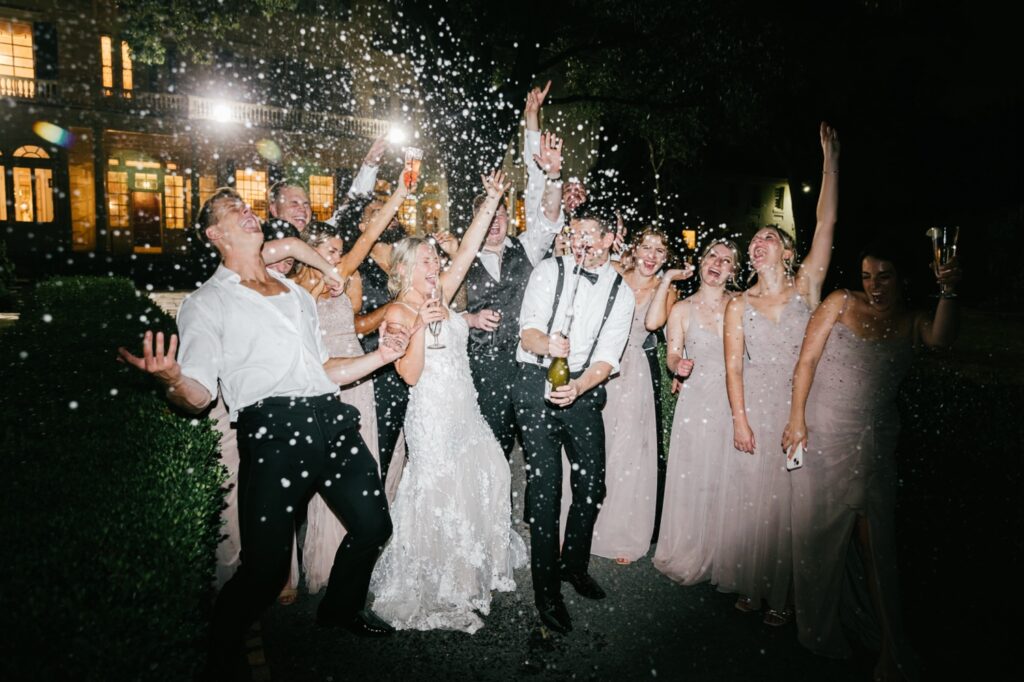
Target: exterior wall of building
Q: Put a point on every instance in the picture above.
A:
(132, 151)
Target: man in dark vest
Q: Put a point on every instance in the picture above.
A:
(498, 276)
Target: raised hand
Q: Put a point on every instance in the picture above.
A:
(534, 101)
(495, 184)
(550, 156)
(447, 242)
(154, 361)
(377, 150)
(830, 147)
(620, 234)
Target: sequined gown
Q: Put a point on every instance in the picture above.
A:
(324, 531)
(756, 550)
(625, 523)
(849, 471)
(700, 447)
(453, 541)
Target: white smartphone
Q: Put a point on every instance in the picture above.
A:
(795, 457)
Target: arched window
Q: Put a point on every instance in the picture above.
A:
(30, 151)
(31, 185)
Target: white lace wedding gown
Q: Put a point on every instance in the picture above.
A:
(453, 540)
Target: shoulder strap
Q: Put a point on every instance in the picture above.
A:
(558, 297)
(607, 311)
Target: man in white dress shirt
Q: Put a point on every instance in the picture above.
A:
(571, 417)
(255, 335)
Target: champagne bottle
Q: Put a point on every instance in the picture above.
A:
(558, 373)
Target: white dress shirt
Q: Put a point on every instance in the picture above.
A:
(588, 310)
(255, 346)
(536, 181)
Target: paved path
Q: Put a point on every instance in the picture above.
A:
(648, 628)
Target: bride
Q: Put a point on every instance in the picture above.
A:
(453, 541)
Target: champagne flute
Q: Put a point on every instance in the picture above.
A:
(413, 158)
(944, 245)
(435, 326)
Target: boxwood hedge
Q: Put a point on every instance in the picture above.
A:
(110, 505)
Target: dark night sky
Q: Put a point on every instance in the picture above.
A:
(929, 111)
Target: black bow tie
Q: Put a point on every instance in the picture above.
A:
(591, 276)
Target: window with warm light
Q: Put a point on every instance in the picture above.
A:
(82, 181)
(174, 202)
(321, 196)
(252, 185)
(690, 239)
(117, 199)
(17, 58)
(116, 58)
(207, 187)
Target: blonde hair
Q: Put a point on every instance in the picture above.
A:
(403, 261)
(735, 250)
(788, 244)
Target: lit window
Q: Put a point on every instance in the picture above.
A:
(16, 56)
(30, 151)
(690, 238)
(407, 215)
(126, 67)
(252, 185)
(174, 202)
(107, 62)
(117, 199)
(780, 197)
(146, 182)
(321, 196)
(207, 186)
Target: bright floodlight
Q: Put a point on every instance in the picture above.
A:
(221, 112)
(397, 135)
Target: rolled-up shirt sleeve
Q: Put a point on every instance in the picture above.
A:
(200, 353)
(613, 337)
(364, 181)
(538, 297)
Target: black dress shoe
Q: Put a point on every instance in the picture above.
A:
(365, 623)
(584, 584)
(555, 616)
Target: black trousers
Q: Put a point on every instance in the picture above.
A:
(495, 374)
(290, 448)
(546, 430)
(391, 398)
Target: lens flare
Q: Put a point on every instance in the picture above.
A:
(53, 133)
(269, 150)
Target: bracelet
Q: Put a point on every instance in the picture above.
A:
(826, 172)
(555, 180)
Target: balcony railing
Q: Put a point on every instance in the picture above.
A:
(29, 88)
(200, 108)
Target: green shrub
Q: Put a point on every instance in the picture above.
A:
(110, 504)
(668, 399)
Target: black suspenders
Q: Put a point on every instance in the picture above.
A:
(607, 309)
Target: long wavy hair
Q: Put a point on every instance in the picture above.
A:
(403, 262)
(651, 231)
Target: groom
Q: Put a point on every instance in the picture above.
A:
(570, 417)
(255, 334)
